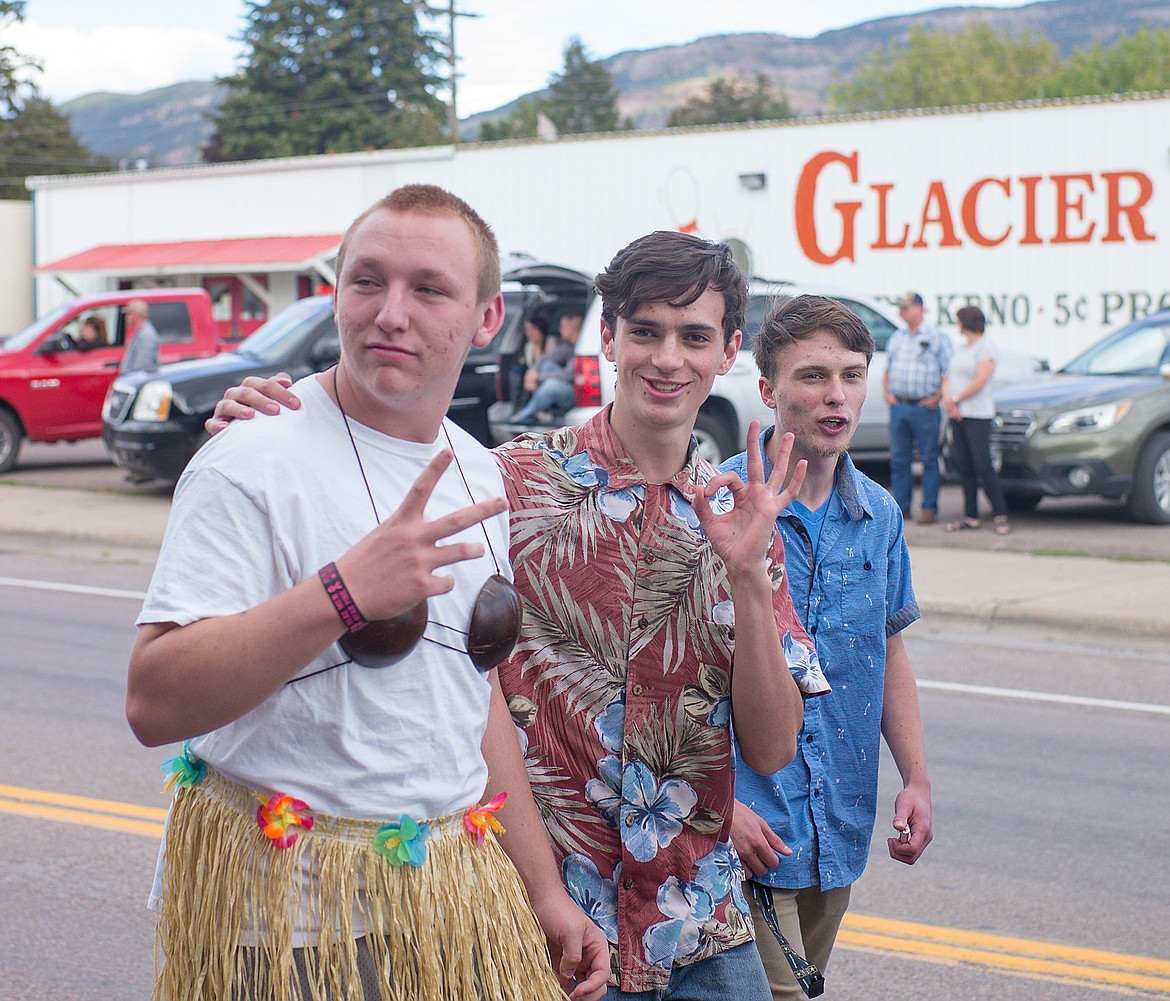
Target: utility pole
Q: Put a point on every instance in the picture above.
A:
(452, 14)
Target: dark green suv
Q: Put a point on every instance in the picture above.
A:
(1098, 427)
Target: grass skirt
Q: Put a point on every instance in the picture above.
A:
(235, 910)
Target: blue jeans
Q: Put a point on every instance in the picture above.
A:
(737, 974)
(552, 394)
(914, 427)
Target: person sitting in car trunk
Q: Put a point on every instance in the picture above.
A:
(553, 389)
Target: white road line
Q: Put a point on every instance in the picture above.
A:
(1068, 700)
(49, 585)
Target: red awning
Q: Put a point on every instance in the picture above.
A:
(250, 254)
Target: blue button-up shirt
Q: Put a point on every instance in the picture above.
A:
(852, 594)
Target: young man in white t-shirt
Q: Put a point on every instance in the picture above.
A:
(334, 830)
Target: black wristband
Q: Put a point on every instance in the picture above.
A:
(350, 614)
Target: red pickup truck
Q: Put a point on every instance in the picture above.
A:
(52, 384)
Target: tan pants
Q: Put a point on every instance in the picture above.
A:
(809, 919)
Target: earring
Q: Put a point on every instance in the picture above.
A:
(615, 367)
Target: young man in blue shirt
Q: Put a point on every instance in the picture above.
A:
(804, 832)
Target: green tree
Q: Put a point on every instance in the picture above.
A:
(330, 76)
(1132, 64)
(583, 98)
(11, 61)
(733, 101)
(935, 69)
(521, 122)
(35, 138)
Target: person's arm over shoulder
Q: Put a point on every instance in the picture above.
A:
(252, 396)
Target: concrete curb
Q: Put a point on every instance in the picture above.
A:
(90, 515)
(1086, 596)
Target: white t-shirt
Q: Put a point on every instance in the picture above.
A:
(263, 506)
(961, 373)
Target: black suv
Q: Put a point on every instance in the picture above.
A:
(152, 423)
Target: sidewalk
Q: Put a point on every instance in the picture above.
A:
(1080, 597)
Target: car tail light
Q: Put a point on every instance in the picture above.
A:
(587, 380)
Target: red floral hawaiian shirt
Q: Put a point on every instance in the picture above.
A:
(620, 690)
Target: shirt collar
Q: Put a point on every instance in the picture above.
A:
(606, 450)
(846, 481)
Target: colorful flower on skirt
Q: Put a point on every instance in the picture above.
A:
(479, 819)
(404, 843)
(183, 769)
(280, 816)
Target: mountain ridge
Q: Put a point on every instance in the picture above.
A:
(166, 126)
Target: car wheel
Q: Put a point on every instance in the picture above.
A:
(1021, 503)
(716, 439)
(1149, 502)
(11, 437)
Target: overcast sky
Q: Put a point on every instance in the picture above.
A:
(510, 48)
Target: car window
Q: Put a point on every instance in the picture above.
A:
(272, 341)
(172, 320)
(514, 302)
(880, 329)
(760, 305)
(1141, 349)
(24, 338)
(758, 308)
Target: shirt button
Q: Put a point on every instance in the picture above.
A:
(628, 883)
(629, 820)
(809, 738)
(637, 689)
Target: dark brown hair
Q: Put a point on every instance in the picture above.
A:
(429, 199)
(797, 318)
(676, 268)
(971, 318)
(96, 321)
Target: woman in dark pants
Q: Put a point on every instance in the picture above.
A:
(966, 395)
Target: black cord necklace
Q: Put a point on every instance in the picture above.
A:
(496, 617)
(362, 469)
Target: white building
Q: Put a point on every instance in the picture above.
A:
(1052, 216)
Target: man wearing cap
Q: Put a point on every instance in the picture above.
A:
(918, 355)
(141, 339)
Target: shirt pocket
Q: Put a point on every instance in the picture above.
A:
(849, 613)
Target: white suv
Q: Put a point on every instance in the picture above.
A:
(734, 403)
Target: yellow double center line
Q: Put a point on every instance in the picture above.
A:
(1005, 954)
(928, 943)
(104, 813)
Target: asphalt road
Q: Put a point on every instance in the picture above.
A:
(1045, 880)
(1088, 527)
